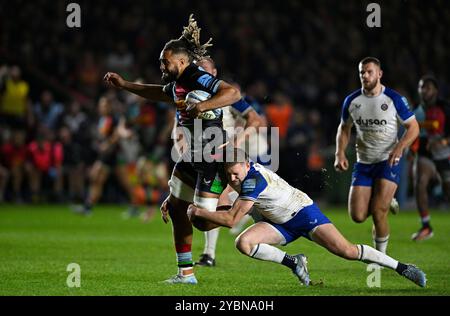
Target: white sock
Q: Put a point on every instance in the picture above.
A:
(381, 243)
(268, 253)
(211, 242)
(369, 255)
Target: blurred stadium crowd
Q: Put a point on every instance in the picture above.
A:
(297, 59)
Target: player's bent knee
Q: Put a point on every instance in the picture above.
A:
(358, 218)
(244, 245)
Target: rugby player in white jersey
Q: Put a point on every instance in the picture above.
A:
(377, 113)
(236, 115)
(287, 214)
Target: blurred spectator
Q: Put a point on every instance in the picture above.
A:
(47, 112)
(120, 60)
(14, 98)
(279, 113)
(13, 157)
(73, 165)
(89, 75)
(4, 175)
(44, 164)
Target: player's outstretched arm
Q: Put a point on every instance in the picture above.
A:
(342, 139)
(151, 92)
(222, 218)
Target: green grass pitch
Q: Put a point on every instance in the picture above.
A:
(128, 257)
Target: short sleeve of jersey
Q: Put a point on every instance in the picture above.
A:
(195, 78)
(201, 80)
(253, 186)
(168, 89)
(242, 107)
(345, 115)
(401, 105)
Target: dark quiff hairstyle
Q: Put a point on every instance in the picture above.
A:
(189, 42)
(369, 59)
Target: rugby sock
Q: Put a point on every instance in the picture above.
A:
(211, 242)
(289, 261)
(401, 267)
(184, 259)
(267, 253)
(425, 218)
(381, 243)
(369, 255)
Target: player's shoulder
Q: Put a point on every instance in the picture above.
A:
(256, 173)
(254, 182)
(353, 95)
(394, 95)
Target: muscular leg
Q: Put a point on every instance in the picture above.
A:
(123, 178)
(331, 239)
(259, 233)
(98, 176)
(383, 193)
(424, 172)
(358, 203)
(256, 242)
(181, 195)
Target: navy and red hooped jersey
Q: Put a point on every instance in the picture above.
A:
(105, 127)
(193, 78)
(437, 125)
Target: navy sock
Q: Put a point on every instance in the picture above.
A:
(289, 261)
(401, 267)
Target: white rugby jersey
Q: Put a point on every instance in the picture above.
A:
(274, 198)
(377, 122)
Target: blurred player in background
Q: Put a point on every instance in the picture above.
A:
(287, 214)
(240, 114)
(107, 147)
(376, 112)
(432, 150)
(181, 75)
(44, 165)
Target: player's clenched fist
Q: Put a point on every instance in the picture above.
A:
(340, 163)
(114, 79)
(165, 210)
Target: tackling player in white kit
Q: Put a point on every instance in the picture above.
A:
(287, 214)
(248, 117)
(377, 112)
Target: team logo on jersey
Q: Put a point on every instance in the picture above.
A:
(249, 185)
(384, 106)
(357, 105)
